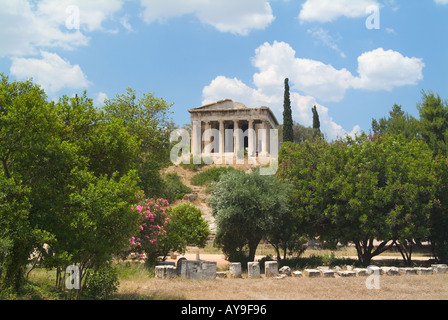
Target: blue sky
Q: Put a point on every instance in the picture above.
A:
(353, 59)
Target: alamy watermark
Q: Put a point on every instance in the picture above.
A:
(73, 21)
(73, 280)
(373, 281)
(373, 20)
(212, 148)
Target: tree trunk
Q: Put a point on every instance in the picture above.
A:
(253, 244)
(366, 252)
(405, 249)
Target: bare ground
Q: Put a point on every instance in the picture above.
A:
(411, 287)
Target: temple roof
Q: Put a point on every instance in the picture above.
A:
(235, 110)
(226, 104)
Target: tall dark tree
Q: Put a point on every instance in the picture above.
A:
(288, 134)
(316, 122)
(399, 122)
(434, 122)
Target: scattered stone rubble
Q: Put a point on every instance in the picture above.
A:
(195, 269)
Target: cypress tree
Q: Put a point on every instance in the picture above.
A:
(288, 134)
(316, 122)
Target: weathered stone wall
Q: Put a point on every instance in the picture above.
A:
(194, 269)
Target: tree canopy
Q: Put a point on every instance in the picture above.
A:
(70, 173)
(361, 190)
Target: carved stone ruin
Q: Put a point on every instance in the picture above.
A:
(165, 272)
(271, 269)
(253, 270)
(198, 270)
(235, 270)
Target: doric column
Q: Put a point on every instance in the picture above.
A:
(262, 137)
(268, 138)
(251, 138)
(207, 139)
(221, 137)
(196, 140)
(252, 143)
(237, 135)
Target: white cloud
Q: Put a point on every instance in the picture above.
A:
(225, 88)
(385, 70)
(51, 72)
(234, 16)
(126, 24)
(323, 36)
(441, 1)
(222, 86)
(100, 98)
(313, 81)
(330, 10)
(92, 14)
(278, 61)
(28, 26)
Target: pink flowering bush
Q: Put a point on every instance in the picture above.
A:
(152, 231)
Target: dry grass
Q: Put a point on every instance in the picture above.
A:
(412, 287)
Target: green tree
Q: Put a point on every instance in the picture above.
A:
(363, 190)
(99, 219)
(247, 207)
(27, 128)
(434, 122)
(145, 118)
(439, 216)
(300, 132)
(288, 135)
(72, 168)
(399, 122)
(187, 227)
(15, 229)
(316, 122)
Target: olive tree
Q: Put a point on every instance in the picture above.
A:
(247, 207)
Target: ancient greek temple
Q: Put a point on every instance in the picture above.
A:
(231, 129)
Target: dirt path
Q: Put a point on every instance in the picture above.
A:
(198, 197)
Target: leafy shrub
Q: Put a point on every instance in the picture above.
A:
(152, 231)
(205, 161)
(174, 189)
(300, 263)
(102, 284)
(186, 227)
(210, 175)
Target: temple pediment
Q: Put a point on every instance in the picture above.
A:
(221, 105)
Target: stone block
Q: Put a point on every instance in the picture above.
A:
(271, 269)
(439, 268)
(235, 270)
(221, 275)
(312, 273)
(408, 271)
(165, 272)
(361, 272)
(424, 271)
(253, 270)
(327, 273)
(346, 273)
(198, 269)
(391, 271)
(375, 270)
(297, 274)
(191, 197)
(285, 270)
